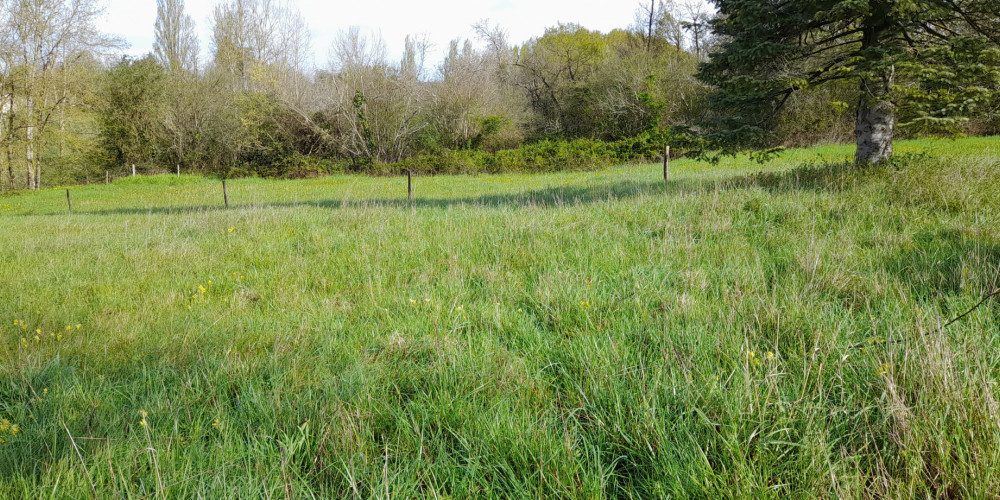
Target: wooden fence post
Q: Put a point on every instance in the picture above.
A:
(225, 193)
(409, 185)
(69, 202)
(107, 177)
(666, 163)
(133, 170)
(178, 170)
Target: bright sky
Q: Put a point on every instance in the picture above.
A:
(441, 20)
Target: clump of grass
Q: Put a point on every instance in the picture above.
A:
(729, 334)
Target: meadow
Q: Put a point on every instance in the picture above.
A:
(743, 331)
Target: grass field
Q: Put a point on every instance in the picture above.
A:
(744, 331)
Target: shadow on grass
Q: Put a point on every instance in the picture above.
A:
(946, 261)
(541, 198)
(812, 176)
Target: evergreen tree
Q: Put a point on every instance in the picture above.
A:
(934, 62)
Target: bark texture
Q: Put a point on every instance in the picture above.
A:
(874, 131)
(876, 120)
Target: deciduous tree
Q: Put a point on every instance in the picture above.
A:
(42, 40)
(176, 42)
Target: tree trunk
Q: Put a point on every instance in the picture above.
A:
(652, 18)
(10, 164)
(30, 158)
(3, 135)
(9, 137)
(876, 121)
(876, 124)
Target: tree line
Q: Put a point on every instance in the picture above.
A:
(749, 73)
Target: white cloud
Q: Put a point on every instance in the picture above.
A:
(441, 20)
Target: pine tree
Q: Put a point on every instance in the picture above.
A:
(932, 62)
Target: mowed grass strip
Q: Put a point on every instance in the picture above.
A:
(744, 331)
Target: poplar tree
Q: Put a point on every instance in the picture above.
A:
(176, 43)
(932, 62)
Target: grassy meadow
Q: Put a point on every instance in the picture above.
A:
(743, 331)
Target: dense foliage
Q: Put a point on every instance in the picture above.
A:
(931, 63)
(772, 74)
(569, 98)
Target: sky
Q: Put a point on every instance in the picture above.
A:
(441, 20)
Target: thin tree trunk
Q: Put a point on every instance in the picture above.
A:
(10, 179)
(876, 121)
(30, 157)
(10, 138)
(62, 129)
(649, 34)
(10, 164)
(62, 111)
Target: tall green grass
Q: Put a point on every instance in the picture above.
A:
(744, 331)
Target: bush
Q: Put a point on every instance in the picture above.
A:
(544, 156)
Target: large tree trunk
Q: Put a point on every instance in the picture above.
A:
(876, 125)
(876, 119)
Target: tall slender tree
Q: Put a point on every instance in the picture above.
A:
(176, 42)
(176, 49)
(262, 44)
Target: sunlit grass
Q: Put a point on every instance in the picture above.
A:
(744, 331)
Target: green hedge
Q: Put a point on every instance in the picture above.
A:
(551, 155)
(543, 156)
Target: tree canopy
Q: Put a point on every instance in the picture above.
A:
(932, 63)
